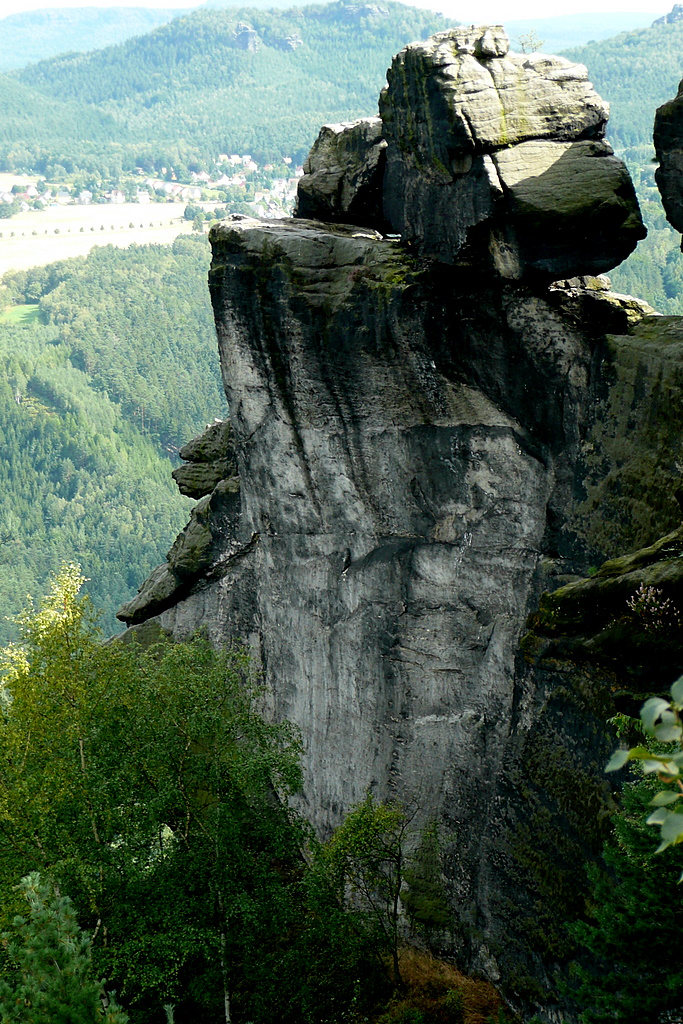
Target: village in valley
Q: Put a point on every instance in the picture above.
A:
(42, 221)
(269, 189)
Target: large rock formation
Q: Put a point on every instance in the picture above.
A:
(491, 157)
(416, 423)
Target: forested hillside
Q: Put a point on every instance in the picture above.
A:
(637, 72)
(108, 365)
(200, 86)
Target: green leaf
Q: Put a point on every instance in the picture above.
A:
(651, 710)
(617, 760)
(668, 733)
(677, 692)
(659, 764)
(671, 827)
(665, 796)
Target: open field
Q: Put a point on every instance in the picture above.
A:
(35, 238)
(19, 314)
(7, 180)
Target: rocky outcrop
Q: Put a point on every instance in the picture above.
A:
(417, 424)
(668, 140)
(210, 458)
(493, 159)
(512, 143)
(343, 175)
(674, 15)
(246, 38)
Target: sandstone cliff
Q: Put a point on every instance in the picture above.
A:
(424, 420)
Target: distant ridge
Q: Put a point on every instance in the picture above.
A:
(570, 30)
(230, 80)
(37, 35)
(674, 15)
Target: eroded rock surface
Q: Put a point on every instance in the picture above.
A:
(410, 441)
(343, 175)
(417, 427)
(511, 142)
(210, 458)
(668, 140)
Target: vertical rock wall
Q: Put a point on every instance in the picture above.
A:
(410, 419)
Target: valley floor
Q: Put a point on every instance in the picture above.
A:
(35, 238)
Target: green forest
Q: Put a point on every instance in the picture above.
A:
(109, 365)
(179, 96)
(152, 868)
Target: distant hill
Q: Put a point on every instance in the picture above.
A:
(37, 35)
(637, 71)
(570, 30)
(200, 85)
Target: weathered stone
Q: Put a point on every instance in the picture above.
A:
(213, 445)
(342, 179)
(200, 478)
(416, 444)
(674, 15)
(246, 38)
(509, 142)
(631, 464)
(211, 458)
(411, 482)
(668, 140)
(196, 553)
(157, 593)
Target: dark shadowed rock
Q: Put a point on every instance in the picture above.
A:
(512, 143)
(668, 140)
(211, 458)
(343, 174)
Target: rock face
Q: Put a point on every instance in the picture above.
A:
(343, 175)
(668, 140)
(674, 15)
(414, 439)
(492, 158)
(210, 458)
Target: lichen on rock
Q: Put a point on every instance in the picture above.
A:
(210, 458)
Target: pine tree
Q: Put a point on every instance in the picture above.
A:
(52, 981)
(633, 972)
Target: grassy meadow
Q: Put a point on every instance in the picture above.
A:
(39, 237)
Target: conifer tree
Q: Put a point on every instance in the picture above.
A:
(52, 982)
(633, 972)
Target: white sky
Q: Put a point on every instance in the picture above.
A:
(463, 10)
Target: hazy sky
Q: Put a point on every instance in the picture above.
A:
(463, 10)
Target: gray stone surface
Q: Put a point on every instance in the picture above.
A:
(480, 140)
(210, 457)
(197, 554)
(415, 442)
(410, 445)
(668, 140)
(343, 174)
